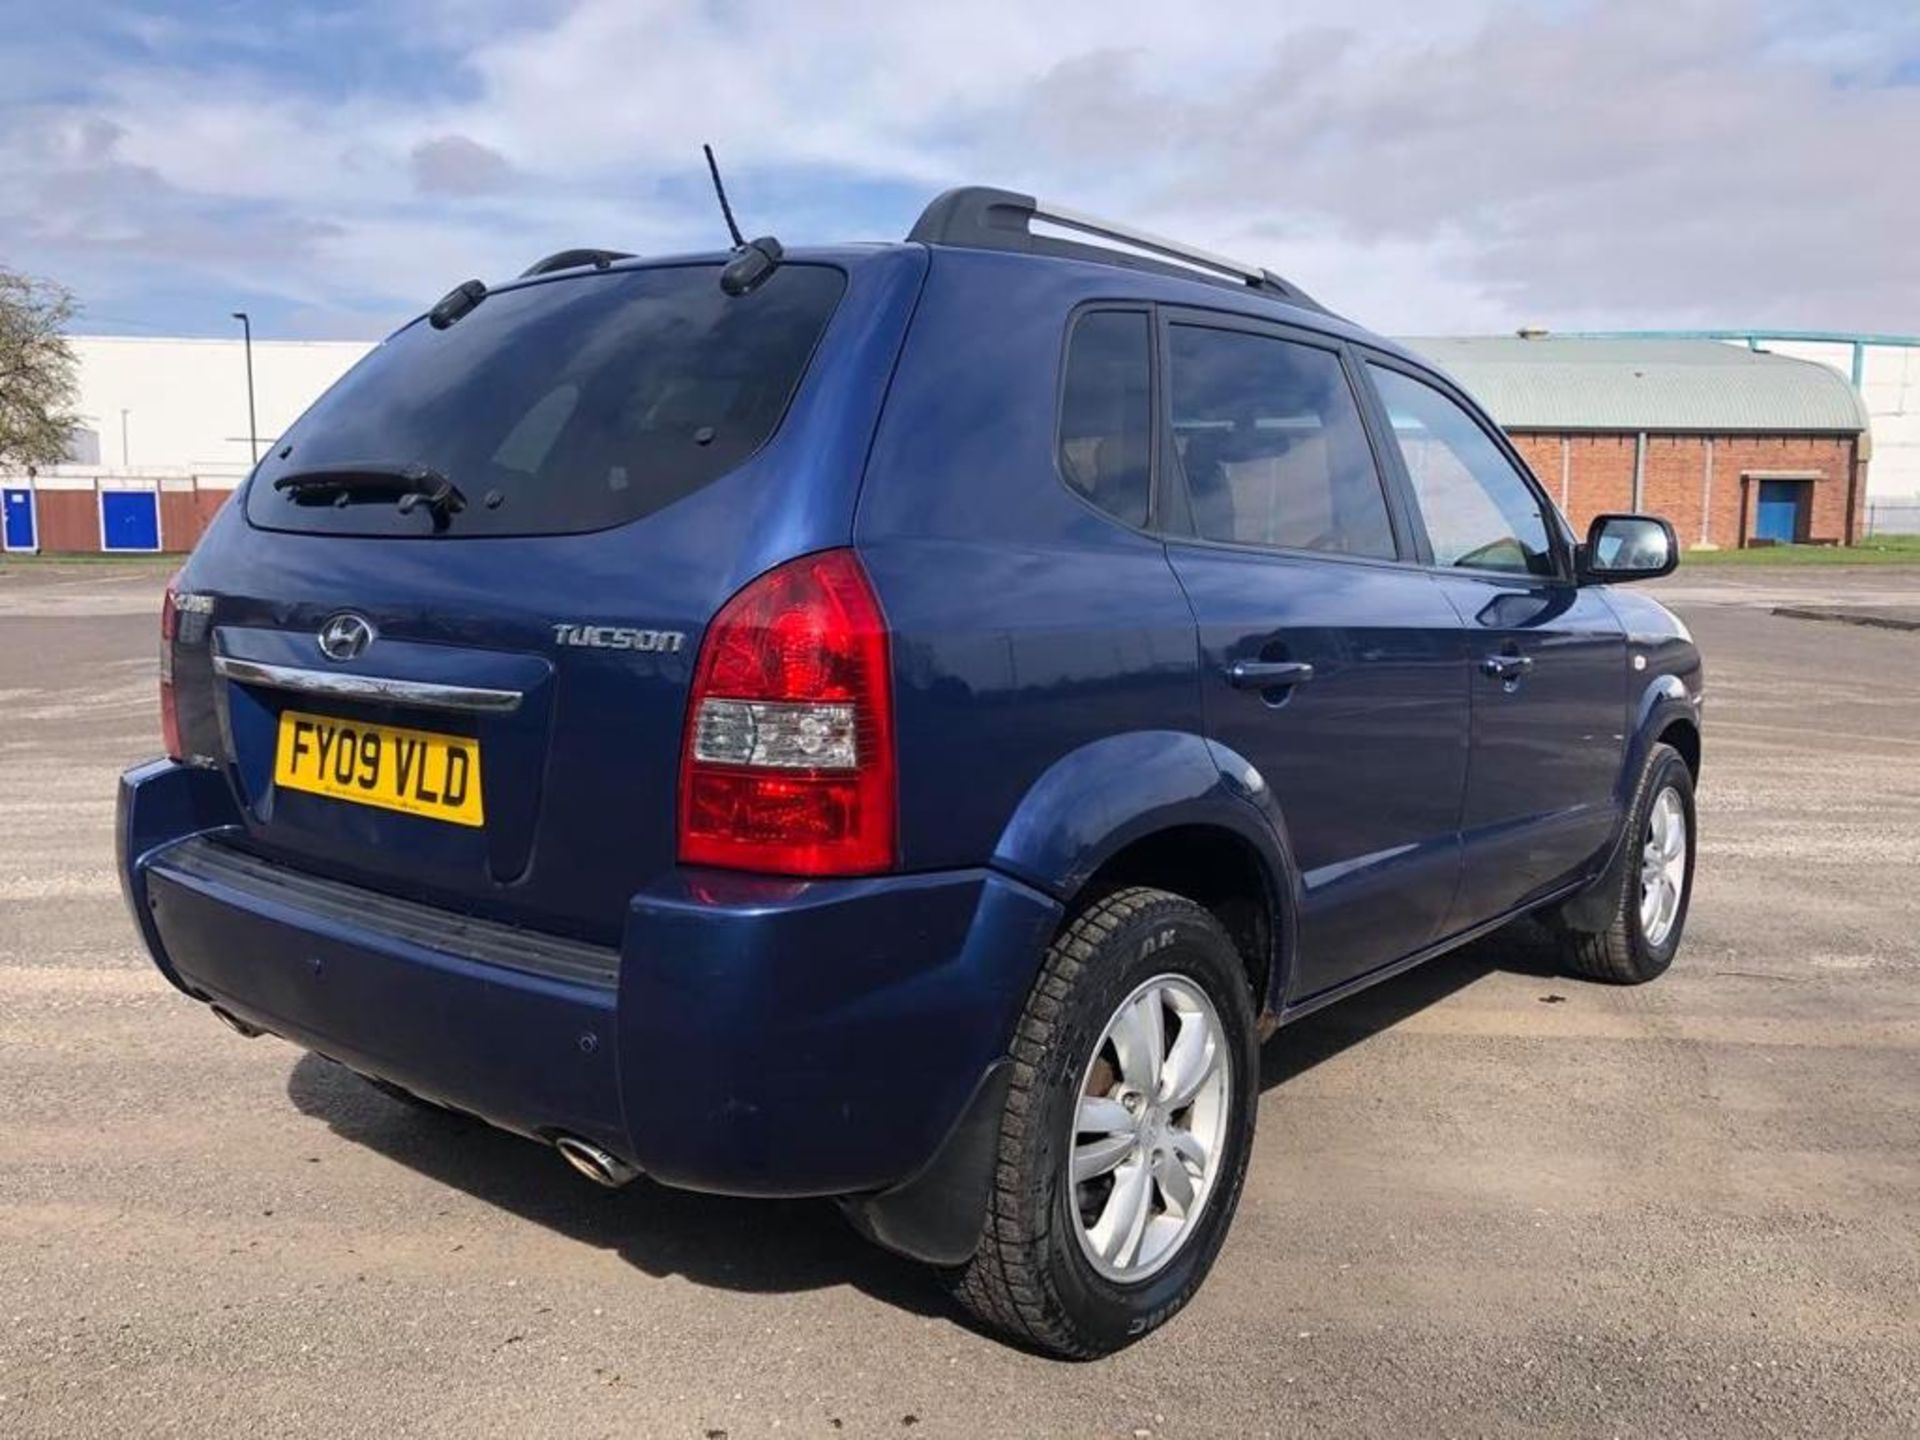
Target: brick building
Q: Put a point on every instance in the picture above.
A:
(1734, 446)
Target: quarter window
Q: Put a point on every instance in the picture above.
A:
(1480, 513)
(1272, 446)
(1106, 413)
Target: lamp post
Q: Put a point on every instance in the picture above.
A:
(253, 428)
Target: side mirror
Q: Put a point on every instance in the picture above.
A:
(1628, 547)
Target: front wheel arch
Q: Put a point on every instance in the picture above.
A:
(1684, 736)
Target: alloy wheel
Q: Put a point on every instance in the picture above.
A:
(1663, 867)
(1148, 1128)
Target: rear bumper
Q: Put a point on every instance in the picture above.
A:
(747, 1037)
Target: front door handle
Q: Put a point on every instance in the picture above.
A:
(1507, 668)
(1268, 674)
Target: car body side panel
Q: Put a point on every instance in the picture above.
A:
(1025, 623)
(1672, 685)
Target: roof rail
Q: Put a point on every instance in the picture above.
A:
(981, 217)
(573, 260)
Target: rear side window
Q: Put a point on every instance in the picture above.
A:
(1106, 412)
(1272, 445)
(572, 405)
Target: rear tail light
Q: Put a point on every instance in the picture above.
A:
(788, 763)
(169, 710)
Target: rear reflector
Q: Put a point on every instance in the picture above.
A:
(788, 766)
(169, 710)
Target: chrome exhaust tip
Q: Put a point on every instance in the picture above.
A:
(236, 1024)
(598, 1165)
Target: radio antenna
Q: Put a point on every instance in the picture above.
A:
(752, 261)
(713, 168)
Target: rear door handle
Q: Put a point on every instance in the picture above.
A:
(1268, 674)
(1506, 667)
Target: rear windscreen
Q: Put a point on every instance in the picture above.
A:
(565, 406)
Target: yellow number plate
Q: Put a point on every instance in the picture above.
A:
(415, 771)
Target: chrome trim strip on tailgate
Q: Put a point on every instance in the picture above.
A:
(375, 689)
(200, 858)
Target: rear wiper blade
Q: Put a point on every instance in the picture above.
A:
(412, 485)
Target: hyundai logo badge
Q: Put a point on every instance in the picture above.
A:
(345, 637)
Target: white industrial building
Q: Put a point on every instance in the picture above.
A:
(179, 407)
(164, 435)
(1888, 379)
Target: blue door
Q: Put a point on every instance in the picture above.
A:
(19, 533)
(1777, 517)
(1548, 659)
(129, 520)
(1334, 670)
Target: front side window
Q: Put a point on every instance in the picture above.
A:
(1106, 413)
(1272, 446)
(1480, 513)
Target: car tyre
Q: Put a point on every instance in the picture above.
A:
(1640, 935)
(1037, 1275)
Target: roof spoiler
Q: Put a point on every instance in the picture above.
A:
(983, 218)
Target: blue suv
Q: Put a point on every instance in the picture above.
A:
(900, 723)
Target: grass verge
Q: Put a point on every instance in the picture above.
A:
(1875, 550)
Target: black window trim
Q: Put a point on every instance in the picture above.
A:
(1405, 538)
(1550, 518)
(1151, 529)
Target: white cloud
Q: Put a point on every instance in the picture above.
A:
(458, 165)
(1423, 167)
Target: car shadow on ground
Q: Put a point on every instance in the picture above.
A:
(778, 1246)
(784, 1246)
(1520, 949)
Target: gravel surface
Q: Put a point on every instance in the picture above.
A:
(1486, 1200)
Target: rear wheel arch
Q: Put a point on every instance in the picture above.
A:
(1167, 810)
(1221, 870)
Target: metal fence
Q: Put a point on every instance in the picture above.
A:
(1893, 517)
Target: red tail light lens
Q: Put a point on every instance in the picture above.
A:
(169, 711)
(788, 765)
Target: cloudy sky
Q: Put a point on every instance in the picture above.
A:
(1448, 165)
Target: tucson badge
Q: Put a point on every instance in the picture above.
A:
(618, 637)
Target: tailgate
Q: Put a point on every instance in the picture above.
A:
(481, 706)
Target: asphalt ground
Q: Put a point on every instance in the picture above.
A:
(1486, 1199)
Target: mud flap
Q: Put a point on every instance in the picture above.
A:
(937, 1216)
